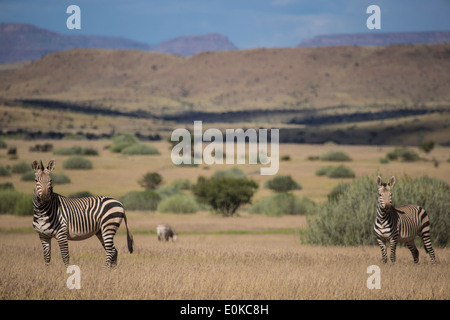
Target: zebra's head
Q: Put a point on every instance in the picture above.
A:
(43, 187)
(384, 193)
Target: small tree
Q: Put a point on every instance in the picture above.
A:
(225, 195)
(427, 146)
(150, 180)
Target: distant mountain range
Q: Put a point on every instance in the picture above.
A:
(378, 39)
(25, 42)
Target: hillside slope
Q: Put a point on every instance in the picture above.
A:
(259, 79)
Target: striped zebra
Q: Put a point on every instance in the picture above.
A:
(400, 224)
(165, 232)
(66, 219)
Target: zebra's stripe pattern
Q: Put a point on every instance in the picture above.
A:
(66, 219)
(400, 224)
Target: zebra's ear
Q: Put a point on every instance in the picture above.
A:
(379, 181)
(35, 166)
(51, 165)
(392, 181)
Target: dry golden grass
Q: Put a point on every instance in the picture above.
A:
(217, 266)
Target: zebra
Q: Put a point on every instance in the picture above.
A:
(400, 224)
(165, 231)
(56, 216)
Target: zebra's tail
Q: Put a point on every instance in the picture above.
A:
(130, 241)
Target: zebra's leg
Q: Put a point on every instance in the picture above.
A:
(111, 251)
(383, 250)
(393, 243)
(415, 253)
(428, 248)
(47, 246)
(64, 247)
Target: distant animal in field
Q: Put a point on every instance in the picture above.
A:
(56, 216)
(400, 224)
(165, 232)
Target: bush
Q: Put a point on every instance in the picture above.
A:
(59, 178)
(78, 163)
(233, 173)
(340, 171)
(335, 156)
(168, 191)
(282, 184)
(182, 184)
(3, 144)
(140, 148)
(383, 160)
(28, 176)
(21, 167)
(141, 200)
(123, 141)
(6, 186)
(4, 172)
(403, 154)
(179, 203)
(81, 194)
(347, 219)
(76, 151)
(283, 203)
(224, 195)
(150, 180)
(17, 203)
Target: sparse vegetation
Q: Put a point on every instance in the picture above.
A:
(179, 203)
(403, 154)
(335, 156)
(282, 183)
(283, 203)
(150, 180)
(141, 200)
(75, 150)
(77, 163)
(340, 171)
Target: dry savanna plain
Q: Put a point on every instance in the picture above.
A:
(247, 256)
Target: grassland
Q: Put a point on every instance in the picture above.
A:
(243, 257)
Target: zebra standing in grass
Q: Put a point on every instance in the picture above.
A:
(400, 224)
(66, 219)
(165, 231)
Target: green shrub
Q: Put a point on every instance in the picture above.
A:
(78, 163)
(21, 167)
(81, 194)
(403, 154)
(28, 176)
(141, 200)
(76, 151)
(182, 184)
(283, 203)
(59, 178)
(427, 146)
(14, 202)
(340, 171)
(179, 203)
(3, 144)
(233, 173)
(224, 195)
(140, 148)
(6, 186)
(383, 160)
(335, 156)
(348, 218)
(123, 141)
(4, 172)
(282, 183)
(323, 171)
(168, 191)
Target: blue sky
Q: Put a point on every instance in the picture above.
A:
(247, 23)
